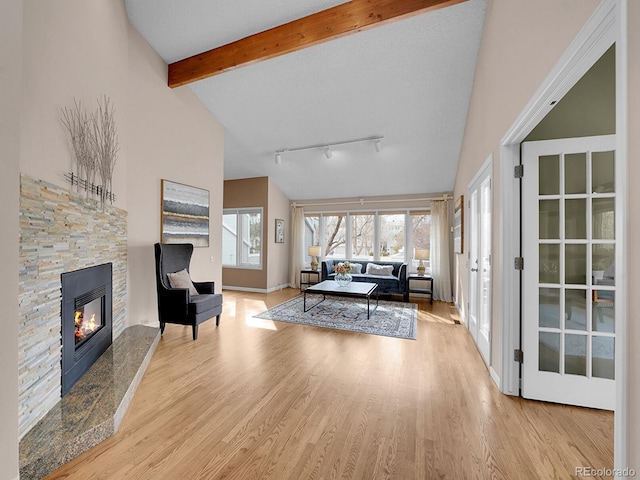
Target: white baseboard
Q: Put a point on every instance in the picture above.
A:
(462, 319)
(495, 377)
(256, 290)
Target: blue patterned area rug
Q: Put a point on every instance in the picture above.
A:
(391, 319)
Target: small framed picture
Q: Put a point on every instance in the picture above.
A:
(279, 231)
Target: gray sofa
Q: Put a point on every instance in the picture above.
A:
(396, 284)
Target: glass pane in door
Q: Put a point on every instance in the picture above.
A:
(575, 218)
(603, 357)
(549, 308)
(549, 175)
(575, 309)
(549, 219)
(602, 172)
(575, 173)
(575, 354)
(549, 263)
(549, 352)
(575, 269)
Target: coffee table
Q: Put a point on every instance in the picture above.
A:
(354, 289)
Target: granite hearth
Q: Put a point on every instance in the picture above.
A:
(94, 407)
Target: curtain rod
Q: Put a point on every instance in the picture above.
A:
(362, 201)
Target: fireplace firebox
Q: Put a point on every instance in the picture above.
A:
(86, 320)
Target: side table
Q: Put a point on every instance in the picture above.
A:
(422, 288)
(308, 273)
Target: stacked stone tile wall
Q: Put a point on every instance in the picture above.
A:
(60, 231)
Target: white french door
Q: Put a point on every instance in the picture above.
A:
(569, 282)
(480, 211)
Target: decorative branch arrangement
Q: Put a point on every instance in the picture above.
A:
(94, 141)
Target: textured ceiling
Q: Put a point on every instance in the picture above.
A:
(409, 81)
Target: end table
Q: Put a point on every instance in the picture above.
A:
(308, 273)
(422, 288)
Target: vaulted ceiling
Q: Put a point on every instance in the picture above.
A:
(409, 81)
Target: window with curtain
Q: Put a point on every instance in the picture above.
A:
(420, 236)
(242, 238)
(311, 234)
(378, 235)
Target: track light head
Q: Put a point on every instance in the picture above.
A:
(328, 153)
(278, 158)
(378, 145)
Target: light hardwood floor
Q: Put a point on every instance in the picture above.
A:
(254, 399)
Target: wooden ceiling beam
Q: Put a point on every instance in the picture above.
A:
(336, 22)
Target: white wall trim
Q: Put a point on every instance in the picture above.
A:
(495, 376)
(256, 290)
(621, 434)
(607, 25)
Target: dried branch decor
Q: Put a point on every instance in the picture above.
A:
(94, 141)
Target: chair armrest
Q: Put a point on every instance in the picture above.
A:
(174, 301)
(205, 287)
(327, 269)
(402, 277)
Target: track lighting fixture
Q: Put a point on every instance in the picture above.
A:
(327, 147)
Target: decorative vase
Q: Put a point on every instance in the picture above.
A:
(343, 279)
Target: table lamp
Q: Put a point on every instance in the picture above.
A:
(314, 253)
(421, 254)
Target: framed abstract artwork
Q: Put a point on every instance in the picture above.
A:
(184, 214)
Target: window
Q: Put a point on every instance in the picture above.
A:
(392, 233)
(362, 236)
(421, 236)
(311, 234)
(335, 240)
(372, 236)
(242, 238)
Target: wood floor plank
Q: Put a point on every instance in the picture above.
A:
(264, 400)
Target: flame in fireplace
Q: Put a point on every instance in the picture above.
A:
(84, 328)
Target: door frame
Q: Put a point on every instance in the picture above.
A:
(607, 25)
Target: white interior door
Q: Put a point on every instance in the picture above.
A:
(480, 212)
(569, 287)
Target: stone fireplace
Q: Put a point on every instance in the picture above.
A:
(86, 320)
(60, 232)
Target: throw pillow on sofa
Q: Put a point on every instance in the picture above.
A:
(356, 268)
(382, 270)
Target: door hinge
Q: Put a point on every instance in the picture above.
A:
(518, 263)
(518, 355)
(518, 171)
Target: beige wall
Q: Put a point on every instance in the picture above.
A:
(170, 135)
(245, 193)
(11, 81)
(67, 55)
(163, 133)
(73, 48)
(521, 43)
(279, 253)
(633, 240)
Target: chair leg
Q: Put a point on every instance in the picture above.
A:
(217, 320)
(162, 325)
(195, 332)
